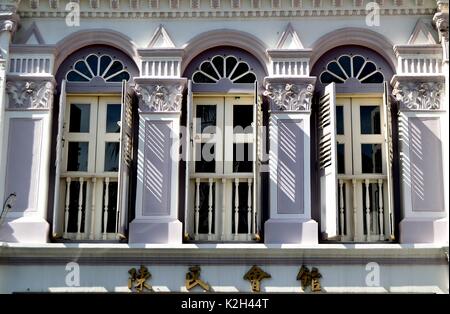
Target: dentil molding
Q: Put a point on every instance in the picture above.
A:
(30, 94)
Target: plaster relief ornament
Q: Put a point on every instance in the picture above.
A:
(160, 97)
(289, 97)
(309, 278)
(255, 275)
(138, 278)
(419, 96)
(29, 95)
(193, 279)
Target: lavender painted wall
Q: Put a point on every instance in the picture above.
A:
(23, 160)
(290, 191)
(157, 174)
(427, 186)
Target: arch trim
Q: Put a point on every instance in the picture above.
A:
(224, 37)
(81, 39)
(354, 36)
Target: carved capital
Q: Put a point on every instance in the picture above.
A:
(289, 97)
(30, 94)
(440, 20)
(160, 97)
(419, 95)
(9, 19)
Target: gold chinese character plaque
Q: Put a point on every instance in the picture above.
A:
(309, 278)
(138, 279)
(255, 275)
(193, 279)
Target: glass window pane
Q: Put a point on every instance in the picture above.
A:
(247, 78)
(112, 156)
(206, 117)
(73, 76)
(334, 68)
(205, 161)
(340, 119)
(79, 118)
(370, 119)
(341, 158)
(368, 69)
(112, 117)
(358, 62)
(77, 156)
(242, 118)
(242, 157)
(371, 158)
(345, 61)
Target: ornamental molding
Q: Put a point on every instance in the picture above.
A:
(8, 20)
(419, 95)
(440, 20)
(160, 97)
(217, 9)
(289, 97)
(27, 94)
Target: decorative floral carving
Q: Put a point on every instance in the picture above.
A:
(160, 97)
(30, 95)
(419, 96)
(290, 97)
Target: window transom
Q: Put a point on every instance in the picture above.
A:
(224, 67)
(357, 67)
(104, 66)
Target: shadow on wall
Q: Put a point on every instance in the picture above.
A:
(422, 169)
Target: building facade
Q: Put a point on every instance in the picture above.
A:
(255, 139)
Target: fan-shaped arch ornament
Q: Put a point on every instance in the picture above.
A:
(104, 66)
(224, 67)
(356, 67)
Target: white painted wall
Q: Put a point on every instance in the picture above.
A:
(268, 30)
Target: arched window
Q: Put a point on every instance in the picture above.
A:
(351, 66)
(94, 143)
(221, 109)
(107, 67)
(354, 141)
(224, 67)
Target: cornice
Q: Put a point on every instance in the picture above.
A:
(222, 254)
(185, 9)
(417, 49)
(161, 52)
(32, 49)
(289, 53)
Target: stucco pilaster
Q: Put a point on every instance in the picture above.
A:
(156, 216)
(440, 20)
(421, 124)
(25, 171)
(289, 131)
